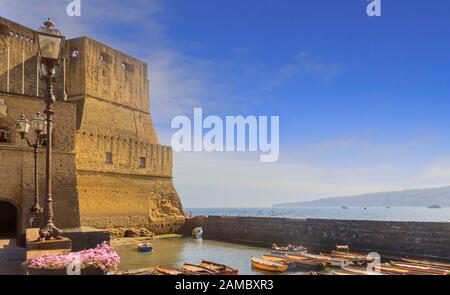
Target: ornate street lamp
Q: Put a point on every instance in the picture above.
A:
(23, 127)
(51, 44)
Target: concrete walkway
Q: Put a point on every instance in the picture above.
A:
(11, 257)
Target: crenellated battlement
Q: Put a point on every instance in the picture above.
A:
(127, 155)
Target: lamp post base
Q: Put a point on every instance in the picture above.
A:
(48, 230)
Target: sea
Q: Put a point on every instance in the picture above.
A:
(352, 213)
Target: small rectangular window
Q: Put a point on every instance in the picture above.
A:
(142, 162)
(109, 158)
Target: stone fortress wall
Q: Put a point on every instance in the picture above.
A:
(388, 238)
(119, 173)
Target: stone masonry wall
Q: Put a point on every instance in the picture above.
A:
(17, 163)
(19, 67)
(112, 98)
(416, 239)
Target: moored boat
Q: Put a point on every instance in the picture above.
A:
(439, 265)
(196, 269)
(135, 272)
(306, 262)
(332, 261)
(360, 271)
(351, 258)
(268, 265)
(144, 247)
(197, 232)
(219, 269)
(419, 268)
(168, 270)
(290, 249)
(279, 259)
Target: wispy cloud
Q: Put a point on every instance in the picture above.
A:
(304, 63)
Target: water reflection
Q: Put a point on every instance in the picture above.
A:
(177, 251)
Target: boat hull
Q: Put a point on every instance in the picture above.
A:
(268, 266)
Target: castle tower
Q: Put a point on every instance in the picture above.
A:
(109, 168)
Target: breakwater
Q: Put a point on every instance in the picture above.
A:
(414, 239)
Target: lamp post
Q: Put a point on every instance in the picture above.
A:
(23, 127)
(51, 44)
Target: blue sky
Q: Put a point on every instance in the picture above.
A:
(363, 102)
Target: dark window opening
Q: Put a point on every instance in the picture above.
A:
(142, 162)
(4, 137)
(109, 158)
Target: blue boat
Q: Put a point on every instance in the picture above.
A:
(145, 248)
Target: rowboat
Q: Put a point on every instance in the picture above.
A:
(290, 249)
(135, 272)
(281, 260)
(439, 265)
(360, 271)
(355, 258)
(342, 273)
(343, 248)
(220, 269)
(168, 270)
(332, 261)
(350, 258)
(145, 248)
(196, 269)
(419, 268)
(306, 262)
(268, 265)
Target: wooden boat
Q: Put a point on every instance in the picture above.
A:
(220, 269)
(332, 261)
(343, 248)
(306, 262)
(360, 271)
(168, 270)
(355, 258)
(279, 259)
(196, 269)
(342, 273)
(419, 268)
(135, 272)
(290, 249)
(268, 265)
(145, 248)
(439, 265)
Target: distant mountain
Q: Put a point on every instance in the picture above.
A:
(409, 198)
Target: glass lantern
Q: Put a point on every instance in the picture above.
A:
(39, 123)
(22, 125)
(50, 41)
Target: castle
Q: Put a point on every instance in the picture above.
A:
(109, 169)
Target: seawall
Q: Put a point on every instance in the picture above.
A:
(413, 239)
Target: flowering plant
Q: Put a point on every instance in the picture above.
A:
(102, 257)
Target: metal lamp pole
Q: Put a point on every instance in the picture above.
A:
(51, 49)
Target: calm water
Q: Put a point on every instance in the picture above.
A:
(175, 252)
(356, 213)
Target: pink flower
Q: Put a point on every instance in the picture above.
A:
(103, 257)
